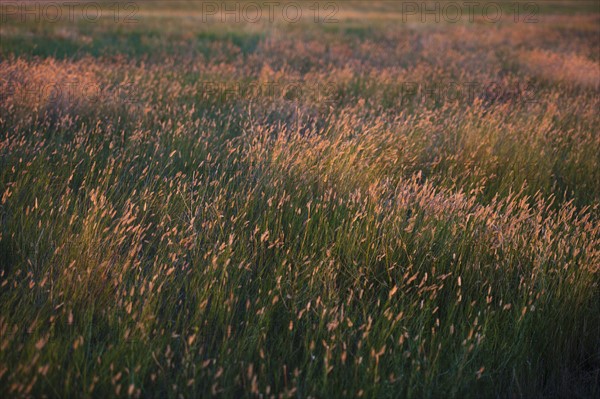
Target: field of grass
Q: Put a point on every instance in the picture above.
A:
(368, 206)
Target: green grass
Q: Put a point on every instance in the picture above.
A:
(163, 241)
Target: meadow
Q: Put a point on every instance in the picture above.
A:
(357, 203)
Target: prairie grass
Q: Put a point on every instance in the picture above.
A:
(172, 227)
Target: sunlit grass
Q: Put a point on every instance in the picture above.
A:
(163, 238)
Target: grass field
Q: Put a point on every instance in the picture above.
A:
(356, 203)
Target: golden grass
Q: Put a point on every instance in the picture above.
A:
(190, 234)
